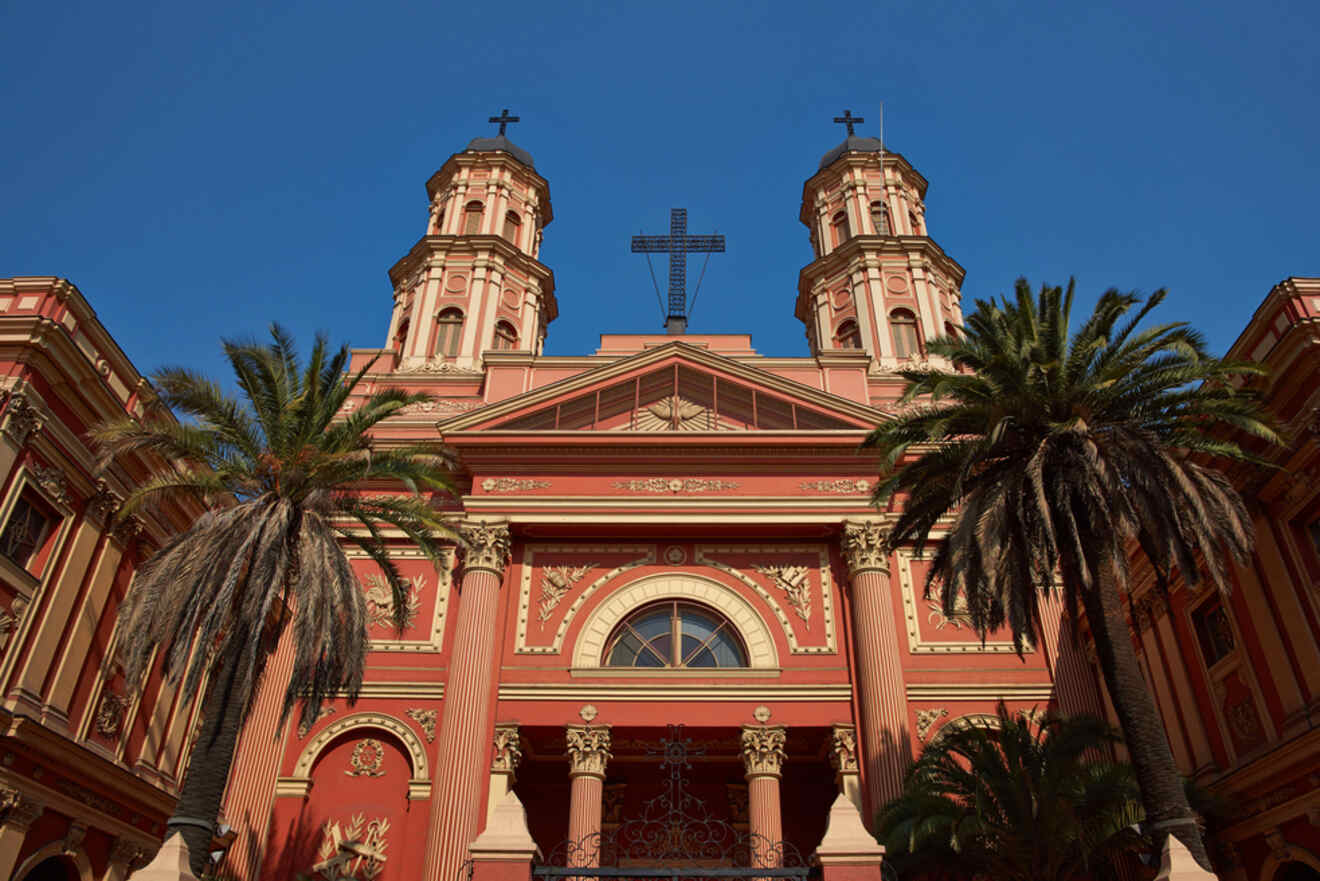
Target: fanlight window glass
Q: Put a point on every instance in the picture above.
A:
(904, 326)
(472, 219)
(675, 634)
(450, 328)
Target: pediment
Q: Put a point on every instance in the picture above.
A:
(675, 387)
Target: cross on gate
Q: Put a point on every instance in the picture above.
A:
(678, 244)
(504, 119)
(847, 119)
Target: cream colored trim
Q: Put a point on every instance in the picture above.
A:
(925, 691)
(292, 787)
(622, 691)
(413, 690)
(910, 612)
(750, 625)
(822, 552)
(401, 732)
(643, 673)
(443, 588)
(596, 518)
(522, 647)
(54, 849)
(56, 800)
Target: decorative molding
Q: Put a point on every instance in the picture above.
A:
(442, 367)
(863, 543)
(793, 581)
(439, 407)
(959, 620)
(763, 750)
(588, 750)
(426, 719)
(52, 482)
(20, 809)
(129, 853)
(675, 485)
(380, 600)
(126, 530)
(556, 582)
(355, 852)
(11, 618)
(508, 749)
(843, 486)
(110, 714)
(367, 759)
(843, 749)
(988, 692)
(104, 503)
(646, 555)
(22, 418)
(916, 643)
(488, 546)
(73, 838)
(444, 584)
(795, 646)
(302, 769)
(512, 484)
(927, 718)
(305, 728)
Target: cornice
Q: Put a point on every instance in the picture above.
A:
(854, 253)
(474, 159)
(887, 159)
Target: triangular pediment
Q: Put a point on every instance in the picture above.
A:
(675, 387)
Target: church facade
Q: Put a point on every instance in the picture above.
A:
(672, 636)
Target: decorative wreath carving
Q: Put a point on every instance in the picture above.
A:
(403, 733)
(368, 759)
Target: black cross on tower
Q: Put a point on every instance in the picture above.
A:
(847, 119)
(678, 244)
(504, 119)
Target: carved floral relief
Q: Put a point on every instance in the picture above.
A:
(556, 582)
(353, 849)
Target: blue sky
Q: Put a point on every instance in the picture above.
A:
(200, 170)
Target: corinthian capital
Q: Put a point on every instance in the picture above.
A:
(763, 750)
(843, 749)
(488, 546)
(17, 808)
(588, 749)
(508, 749)
(864, 547)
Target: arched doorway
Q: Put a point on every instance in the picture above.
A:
(1296, 872)
(53, 869)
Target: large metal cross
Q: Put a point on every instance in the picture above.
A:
(678, 244)
(504, 119)
(847, 119)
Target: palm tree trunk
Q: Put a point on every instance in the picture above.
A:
(208, 772)
(1162, 793)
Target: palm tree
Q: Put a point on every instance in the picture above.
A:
(277, 469)
(1046, 455)
(1013, 802)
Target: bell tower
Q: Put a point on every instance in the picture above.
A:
(878, 282)
(473, 282)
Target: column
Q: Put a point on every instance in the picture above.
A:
(1074, 686)
(588, 754)
(20, 811)
(465, 732)
(881, 693)
(843, 756)
(763, 761)
(503, 766)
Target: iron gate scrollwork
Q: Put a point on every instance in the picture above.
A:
(674, 836)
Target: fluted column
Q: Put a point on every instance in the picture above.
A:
(588, 754)
(882, 696)
(763, 762)
(465, 729)
(1074, 686)
(18, 811)
(843, 757)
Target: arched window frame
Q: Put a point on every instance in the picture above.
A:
(401, 335)
(506, 336)
(449, 331)
(679, 655)
(840, 227)
(880, 219)
(906, 333)
(513, 228)
(847, 335)
(472, 215)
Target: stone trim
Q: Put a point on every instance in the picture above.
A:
(301, 780)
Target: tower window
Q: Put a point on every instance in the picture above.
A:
(675, 634)
(841, 230)
(880, 218)
(506, 338)
(848, 336)
(472, 219)
(401, 336)
(28, 528)
(903, 324)
(512, 227)
(451, 328)
(912, 219)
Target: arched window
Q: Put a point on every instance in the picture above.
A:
(505, 336)
(472, 219)
(513, 227)
(401, 336)
(841, 230)
(880, 218)
(675, 634)
(912, 219)
(903, 324)
(847, 336)
(451, 328)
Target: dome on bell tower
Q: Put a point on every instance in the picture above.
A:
(500, 143)
(853, 144)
